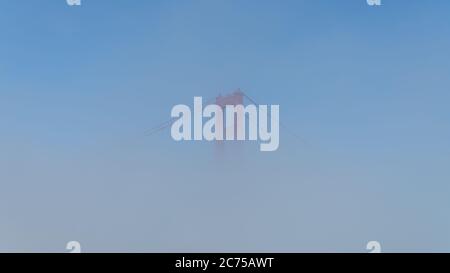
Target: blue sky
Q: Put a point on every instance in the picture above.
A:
(365, 88)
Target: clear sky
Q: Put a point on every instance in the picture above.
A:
(365, 89)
